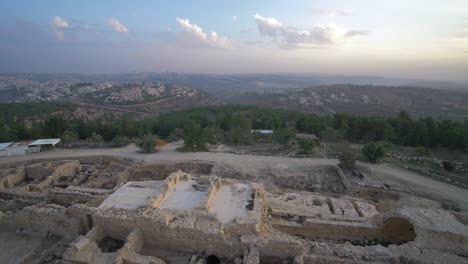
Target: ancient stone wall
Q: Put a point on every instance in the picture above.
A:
(13, 179)
(42, 220)
(69, 168)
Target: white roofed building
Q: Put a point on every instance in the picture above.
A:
(39, 144)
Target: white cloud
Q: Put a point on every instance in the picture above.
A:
(267, 26)
(291, 37)
(332, 13)
(116, 25)
(194, 35)
(59, 25)
(234, 18)
(353, 33)
(59, 22)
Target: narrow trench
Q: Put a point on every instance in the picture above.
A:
(330, 205)
(357, 209)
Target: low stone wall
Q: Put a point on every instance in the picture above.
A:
(22, 194)
(392, 229)
(13, 179)
(69, 168)
(69, 197)
(42, 220)
(281, 245)
(160, 171)
(116, 224)
(328, 230)
(344, 180)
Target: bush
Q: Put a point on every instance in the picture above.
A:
(448, 165)
(147, 143)
(347, 159)
(422, 151)
(120, 140)
(175, 135)
(306, 145)
(282, 136)
(238, 136)
(69, 137)
(373, 152)
(95, 138)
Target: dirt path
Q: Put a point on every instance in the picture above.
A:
(251, 164)
(432, 188)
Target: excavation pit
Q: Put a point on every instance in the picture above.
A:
(110, 245)
(232, 200)
(185, 195)
(133, 195)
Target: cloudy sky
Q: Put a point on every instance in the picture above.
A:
(399, 38)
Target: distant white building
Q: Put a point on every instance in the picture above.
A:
(13, 149)
(262, 131)
(3, 147)
(38, 145)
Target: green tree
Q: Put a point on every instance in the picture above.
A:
(282, 136)
(95, 138)
(120, 140)
(148, 143)
(422, 151)
(239, 136)
(347, 159)
(69, 137)
(373, 151)
(306, 145)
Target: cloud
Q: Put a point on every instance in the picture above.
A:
(116, 25)
(267, 26)
(59, 22)
(234, 18)
(332, 13)
(193, 35)
(353, 33)
(59, 25)
(294, 37)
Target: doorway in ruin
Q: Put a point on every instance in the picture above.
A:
(398, 230)
(212, 259)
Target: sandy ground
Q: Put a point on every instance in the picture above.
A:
(251, 164)
(230, 201)
(15, 245)
(183, 196)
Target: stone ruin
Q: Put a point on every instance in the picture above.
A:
(184, 218)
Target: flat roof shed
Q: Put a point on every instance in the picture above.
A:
(45, 142)
(5, 145)
(306, 136)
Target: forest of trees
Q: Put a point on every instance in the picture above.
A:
(232, 124)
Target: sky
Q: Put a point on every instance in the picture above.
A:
(425, 39)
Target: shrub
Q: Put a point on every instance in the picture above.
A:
(147, 143)
(347, 159)
(283, 135)
(69, 137)
(448, 165)
(306, 145)
(422, 151)
(373, 152)
(238, 136)
(95, 138)
(120, 140)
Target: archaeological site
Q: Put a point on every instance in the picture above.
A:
(104, 209)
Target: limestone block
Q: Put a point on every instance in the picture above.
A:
(38, 172)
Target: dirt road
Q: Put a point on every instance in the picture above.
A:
(252, 164)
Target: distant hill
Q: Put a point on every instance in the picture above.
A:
(365, 100)
(319, 93)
